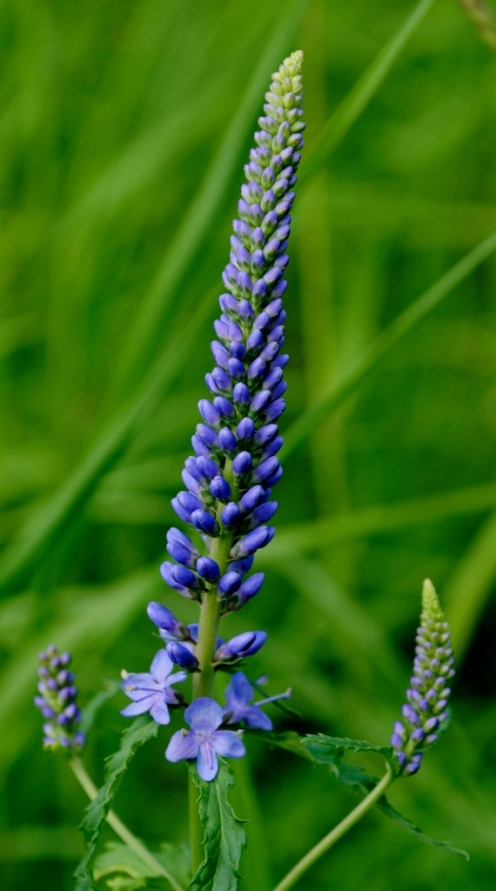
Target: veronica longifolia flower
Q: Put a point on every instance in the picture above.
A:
(239, 706)
(427, 705)
(57, 702)
(204, 741)
(229, 479)
(152, 691)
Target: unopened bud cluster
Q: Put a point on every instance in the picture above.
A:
(57, 701)
(427, 705)
(230, 478)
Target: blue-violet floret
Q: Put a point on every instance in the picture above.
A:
(152, 691)
(204, 742)
(240, 705)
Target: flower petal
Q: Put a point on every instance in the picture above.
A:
(182, 745)
(207, 763)
(204, 714)
(138, 685)
(139, 708)
(255, 717)
(227, 744)
(161, 667)
(159, 711)
(239, 692)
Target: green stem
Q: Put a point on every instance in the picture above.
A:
(203, 680)
(329, 840)
(120, 828)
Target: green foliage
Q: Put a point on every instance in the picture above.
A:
(118, 858)
(133, 737)
(329, 751)
(319, 745)
(224, 837)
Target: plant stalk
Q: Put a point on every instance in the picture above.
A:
(341, 829)
(119, 827)
(203, 680)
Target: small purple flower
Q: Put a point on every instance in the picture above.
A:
(246, 644)
(204, 741)
(152, 691)
(239, 695)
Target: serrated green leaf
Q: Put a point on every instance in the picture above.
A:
(328, 750)
(121, 883)
(135, 736)
(118, 858)
(334, 745)
(224, 837)
(177, 861)
(393, 814)
(289, 740)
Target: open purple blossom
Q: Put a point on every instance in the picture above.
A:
(240, 705)
(57, 702)
(204, 742)
(152, 691)
(229, 479)
(427, 706)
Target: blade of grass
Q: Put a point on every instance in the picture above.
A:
(48, 523)
(348, 382)
(17, 332)
(468, 589)
(314, 536)
(348, 618)
(360, 95)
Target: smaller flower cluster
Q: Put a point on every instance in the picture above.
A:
(427, 705)
(153, 692)
(57, 702)
(181, 641)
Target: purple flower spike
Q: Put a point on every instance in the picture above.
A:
(204, 742)
(239, 695)
(428, 694)
(152, 691)
(57, 702)
(237, 438)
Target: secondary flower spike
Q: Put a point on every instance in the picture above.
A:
(229, 479)
(428, 695)
(57, 702)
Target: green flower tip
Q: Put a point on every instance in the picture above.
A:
(290, 67)
(431, 608)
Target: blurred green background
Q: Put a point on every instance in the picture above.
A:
(124, 128)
